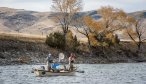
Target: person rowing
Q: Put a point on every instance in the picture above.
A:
(71, 61)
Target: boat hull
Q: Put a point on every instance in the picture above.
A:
(42, 73)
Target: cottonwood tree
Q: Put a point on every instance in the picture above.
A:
(136, 30)
(111, 19)
(66, 10)
(85, 25)
(103, 27)
(110, 22)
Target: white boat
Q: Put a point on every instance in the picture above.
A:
(42, 73)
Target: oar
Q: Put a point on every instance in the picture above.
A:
(80, 71)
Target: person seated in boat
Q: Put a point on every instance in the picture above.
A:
(49, 61)
(71, 61)
(54, 66)
(62, 62)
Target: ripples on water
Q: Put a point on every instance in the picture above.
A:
(94, 74)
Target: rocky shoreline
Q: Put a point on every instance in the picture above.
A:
(32, 60)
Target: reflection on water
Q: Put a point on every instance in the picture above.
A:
(94, 74)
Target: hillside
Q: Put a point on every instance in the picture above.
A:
(14, 20)
(39, 23)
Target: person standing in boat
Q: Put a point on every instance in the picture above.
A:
(49, 61)
(71, 61)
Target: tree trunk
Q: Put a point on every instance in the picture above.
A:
(139, 46)
(89, 46)
(65, 39)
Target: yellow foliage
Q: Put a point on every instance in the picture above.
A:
(88, 21)
(69, 36)
(105, 44)
(109, 36)
(106, 12)
(93, 40)
(97, 27)
(131, 20)
(93, 25)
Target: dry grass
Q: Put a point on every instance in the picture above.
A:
(22, 37)
(83, 40)
(33, 38)
(28, 37)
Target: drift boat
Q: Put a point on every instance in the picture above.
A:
(55, 70)
(42, 73)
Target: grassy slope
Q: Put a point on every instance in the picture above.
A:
(22, 37)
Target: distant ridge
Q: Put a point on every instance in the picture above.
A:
(39, 23)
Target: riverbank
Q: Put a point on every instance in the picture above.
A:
(26, 51)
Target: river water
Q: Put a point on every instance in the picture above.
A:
(131, 73)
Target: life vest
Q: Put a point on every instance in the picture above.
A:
(71, 58)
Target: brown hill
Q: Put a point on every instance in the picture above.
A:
(38, 23)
